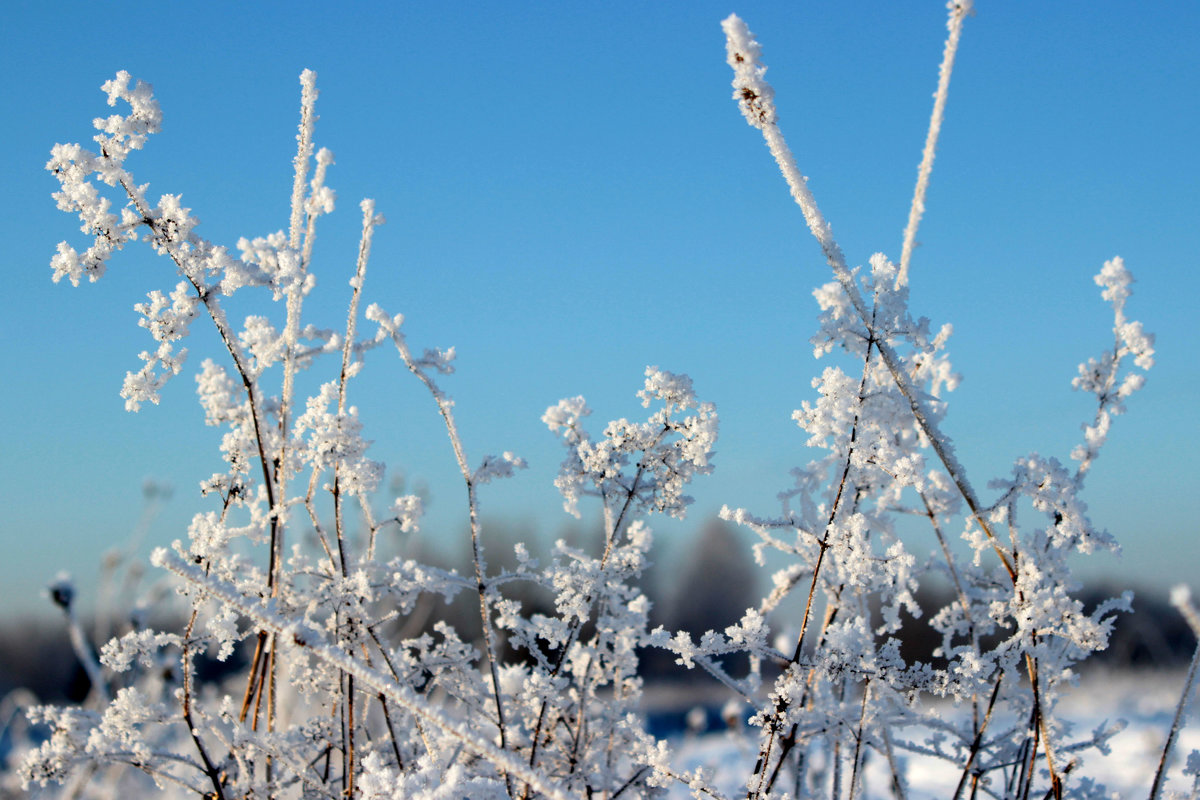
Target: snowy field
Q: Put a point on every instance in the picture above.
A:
(1145, 700)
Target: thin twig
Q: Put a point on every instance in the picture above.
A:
(1182, 601)
(445, 409)
(765, 783)
(977, 742)
(210, 770)
(858, 740)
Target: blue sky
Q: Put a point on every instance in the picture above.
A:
(572, 195)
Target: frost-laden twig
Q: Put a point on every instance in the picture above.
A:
(858, 742)
(765, 782)
(977, 742)
(170, 232)
(1099, 376)
(370, 222)
(756, 100)
(298, 240)
(958, 10)
(390, 327)
(295, 292)
(210, 770)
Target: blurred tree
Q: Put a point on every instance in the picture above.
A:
(715, 585)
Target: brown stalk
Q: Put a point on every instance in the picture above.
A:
(781, 706)
(259, 696)
(214, 776)
(977, 742)
(967, 616)
(250, 684)
(858, 739)
(835, 790)
(349, 779)
(1040, 721)
(270, 670)
(897, 783)
(1184, 696)
(396, 676)
(1027, 764)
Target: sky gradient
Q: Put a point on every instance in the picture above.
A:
(572, 195)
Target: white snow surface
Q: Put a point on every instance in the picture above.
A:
(1146, 700)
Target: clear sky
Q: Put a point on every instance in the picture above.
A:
(572, 195)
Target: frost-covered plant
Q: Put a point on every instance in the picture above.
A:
(340, 696)
(845, 690)
(346, 693)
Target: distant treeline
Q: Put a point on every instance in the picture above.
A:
(708, 589)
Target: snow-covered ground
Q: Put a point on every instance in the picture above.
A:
(1145, 700)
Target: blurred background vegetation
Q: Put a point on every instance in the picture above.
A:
(703, 584)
